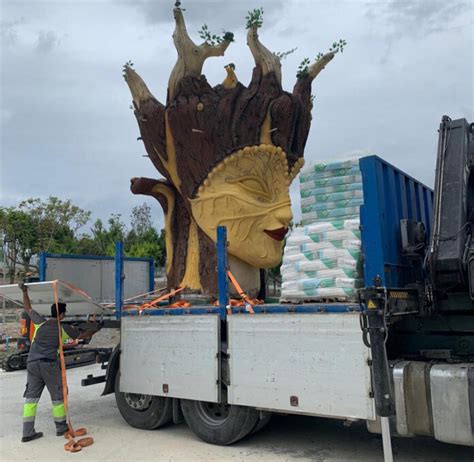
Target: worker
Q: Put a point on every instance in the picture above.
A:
(43, 366)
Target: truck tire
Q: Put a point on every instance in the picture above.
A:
(220, 424)
(143, 411)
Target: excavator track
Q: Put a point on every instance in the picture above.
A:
(74, 358)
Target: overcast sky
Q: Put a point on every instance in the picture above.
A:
(67, 129)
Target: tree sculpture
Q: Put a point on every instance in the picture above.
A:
(227, 153)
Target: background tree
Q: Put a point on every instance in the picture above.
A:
(53, 225)
(144, 240)
(18, 234)
(140, 219)
(37, 225)
(105, 236)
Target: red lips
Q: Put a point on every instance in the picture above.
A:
(277, 234)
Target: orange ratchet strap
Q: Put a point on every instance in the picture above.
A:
(249, 303)
(72, 445)
(180, 304)
(154, 302)
(235, 302)
(110, 305)
(76, 289)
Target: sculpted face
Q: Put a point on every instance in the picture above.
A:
(248, 192)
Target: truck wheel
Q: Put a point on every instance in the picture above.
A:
(264, 418)
(216, 423)
(143, 411)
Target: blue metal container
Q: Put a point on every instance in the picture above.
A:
(95, 274)
(389, 196)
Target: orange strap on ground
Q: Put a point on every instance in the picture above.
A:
(154, 302)
(243, 295)
(72, 445)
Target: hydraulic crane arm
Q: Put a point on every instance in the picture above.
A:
(451, 252)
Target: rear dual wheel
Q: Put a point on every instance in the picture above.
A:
(217, 423)
(143, 411)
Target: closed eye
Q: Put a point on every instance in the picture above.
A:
(254, 185)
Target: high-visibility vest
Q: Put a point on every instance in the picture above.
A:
(64, 336)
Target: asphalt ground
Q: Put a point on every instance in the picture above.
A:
(285, 438)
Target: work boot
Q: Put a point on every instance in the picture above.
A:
(35, 436)
(61, 432)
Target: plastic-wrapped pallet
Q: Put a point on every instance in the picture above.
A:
(322, 259)
(331, 191)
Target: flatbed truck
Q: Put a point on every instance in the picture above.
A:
(400, 358)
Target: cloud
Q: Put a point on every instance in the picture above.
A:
(46, 42)
(419, 18)
(412, 21)
(9, 31)
(227, 15)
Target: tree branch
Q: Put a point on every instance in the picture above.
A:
(138, 88)
(166, 195)
(267, 60)
(181, 38)
(303, 83)
(191, 57)
(214, 50)
(319, 65)
(143, 185)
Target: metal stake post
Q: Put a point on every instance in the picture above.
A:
(42, 266)
(119, 279)
(222, 280)
(4, 304)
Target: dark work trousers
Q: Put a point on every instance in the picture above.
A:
(41, 373)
